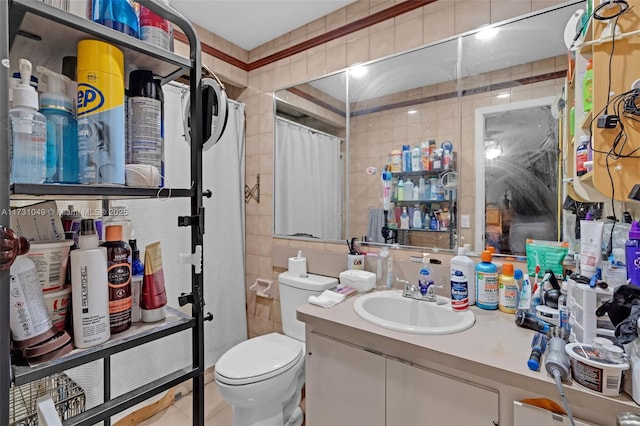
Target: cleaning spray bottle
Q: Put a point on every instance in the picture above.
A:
(486, 282)
(62, 129)
(28, 129)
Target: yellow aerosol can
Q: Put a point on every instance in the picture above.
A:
(100, 110)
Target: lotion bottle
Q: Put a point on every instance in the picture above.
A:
(89, 289)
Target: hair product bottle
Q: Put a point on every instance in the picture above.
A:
(119, 278)
(89, 289)
(145, 144)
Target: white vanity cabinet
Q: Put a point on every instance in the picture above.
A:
(345, 385)
(348, 385)
(417, 396)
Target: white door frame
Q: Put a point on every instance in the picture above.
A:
(480, 136)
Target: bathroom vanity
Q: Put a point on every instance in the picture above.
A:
(360, 374)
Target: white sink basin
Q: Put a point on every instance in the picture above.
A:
(390, 310)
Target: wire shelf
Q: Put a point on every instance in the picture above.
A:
(68, 397)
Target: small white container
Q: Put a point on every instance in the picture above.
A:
(58, 304)
(50, 258)
(362, 281)
(593, 372)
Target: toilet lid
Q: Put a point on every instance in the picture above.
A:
(258, 359)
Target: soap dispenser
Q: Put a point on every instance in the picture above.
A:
(62, 129)
(28, 132)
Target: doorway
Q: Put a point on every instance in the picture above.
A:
(517, 171)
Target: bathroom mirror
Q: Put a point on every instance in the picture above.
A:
(434, 92)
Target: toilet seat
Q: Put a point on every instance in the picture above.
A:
(258, 359)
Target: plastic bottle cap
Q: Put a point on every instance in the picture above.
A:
(634, 232)
(141, 83)
(114, 233)
(490, 249)
(461, 251)
(517, 274)
(485, 256)
(87, 227)
(507, 268)
(533, 364)
(97, 55)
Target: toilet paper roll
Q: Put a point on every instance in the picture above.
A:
(298, 265)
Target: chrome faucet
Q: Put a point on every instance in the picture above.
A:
(419, 291)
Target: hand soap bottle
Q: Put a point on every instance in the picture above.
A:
(28, 130)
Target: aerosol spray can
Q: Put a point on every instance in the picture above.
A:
(100, 111)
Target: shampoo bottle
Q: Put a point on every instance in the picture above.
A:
(119, 278)
(89, 289)
(416, 220)
(408, 190)
(416, 160)
(404, 219)
(467, 266)
(507, 290)
(28, 130)
(486, 282)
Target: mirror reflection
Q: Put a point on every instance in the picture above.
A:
(434, 96)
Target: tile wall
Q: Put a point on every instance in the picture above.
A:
(435, 21)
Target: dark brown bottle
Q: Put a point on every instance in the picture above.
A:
(119, 279)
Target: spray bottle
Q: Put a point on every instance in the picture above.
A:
(62, 130)
(28, 130)
(156, 30)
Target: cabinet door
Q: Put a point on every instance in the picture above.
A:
(419, 397)
(344, 384)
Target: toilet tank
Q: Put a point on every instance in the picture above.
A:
(294, 292)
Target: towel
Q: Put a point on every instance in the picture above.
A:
(327, 299)
(376, 222)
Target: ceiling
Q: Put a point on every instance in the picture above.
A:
(251, 23)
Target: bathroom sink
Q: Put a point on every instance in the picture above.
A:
(389, 309)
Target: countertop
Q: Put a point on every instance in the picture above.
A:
(495, 348)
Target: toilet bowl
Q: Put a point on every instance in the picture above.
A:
(262, 378)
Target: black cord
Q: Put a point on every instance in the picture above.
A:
(623, 6)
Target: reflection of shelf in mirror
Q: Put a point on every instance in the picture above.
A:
(442, 231)
(420, 173)
(586, 122)
(587, 177)
(419, 201)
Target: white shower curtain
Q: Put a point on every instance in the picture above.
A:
(308, 182)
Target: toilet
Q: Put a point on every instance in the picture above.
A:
(262, 378)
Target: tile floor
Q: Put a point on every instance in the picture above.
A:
(216, 411)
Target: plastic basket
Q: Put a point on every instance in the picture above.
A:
(68, 397)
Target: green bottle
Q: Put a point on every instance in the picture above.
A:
(587, 88)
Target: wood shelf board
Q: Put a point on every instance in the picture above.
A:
(625, 63)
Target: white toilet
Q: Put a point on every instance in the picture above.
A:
(261, 378)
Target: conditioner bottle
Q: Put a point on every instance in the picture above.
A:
(119, 278)
(89, 289)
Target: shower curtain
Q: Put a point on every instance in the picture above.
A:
(308, 182)
(223, 254)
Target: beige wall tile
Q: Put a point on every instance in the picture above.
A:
(471, 14)
(505, 9)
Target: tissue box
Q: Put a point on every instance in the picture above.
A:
(362, 281)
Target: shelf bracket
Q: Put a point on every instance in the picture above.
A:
(253, 192)
(194, 259)
(197, 220)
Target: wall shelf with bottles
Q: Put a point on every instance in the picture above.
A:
(34, 30)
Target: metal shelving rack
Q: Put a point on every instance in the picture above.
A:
(32, 29)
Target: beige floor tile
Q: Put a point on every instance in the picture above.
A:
(169, 417)
(221, 418)
(213, 402)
